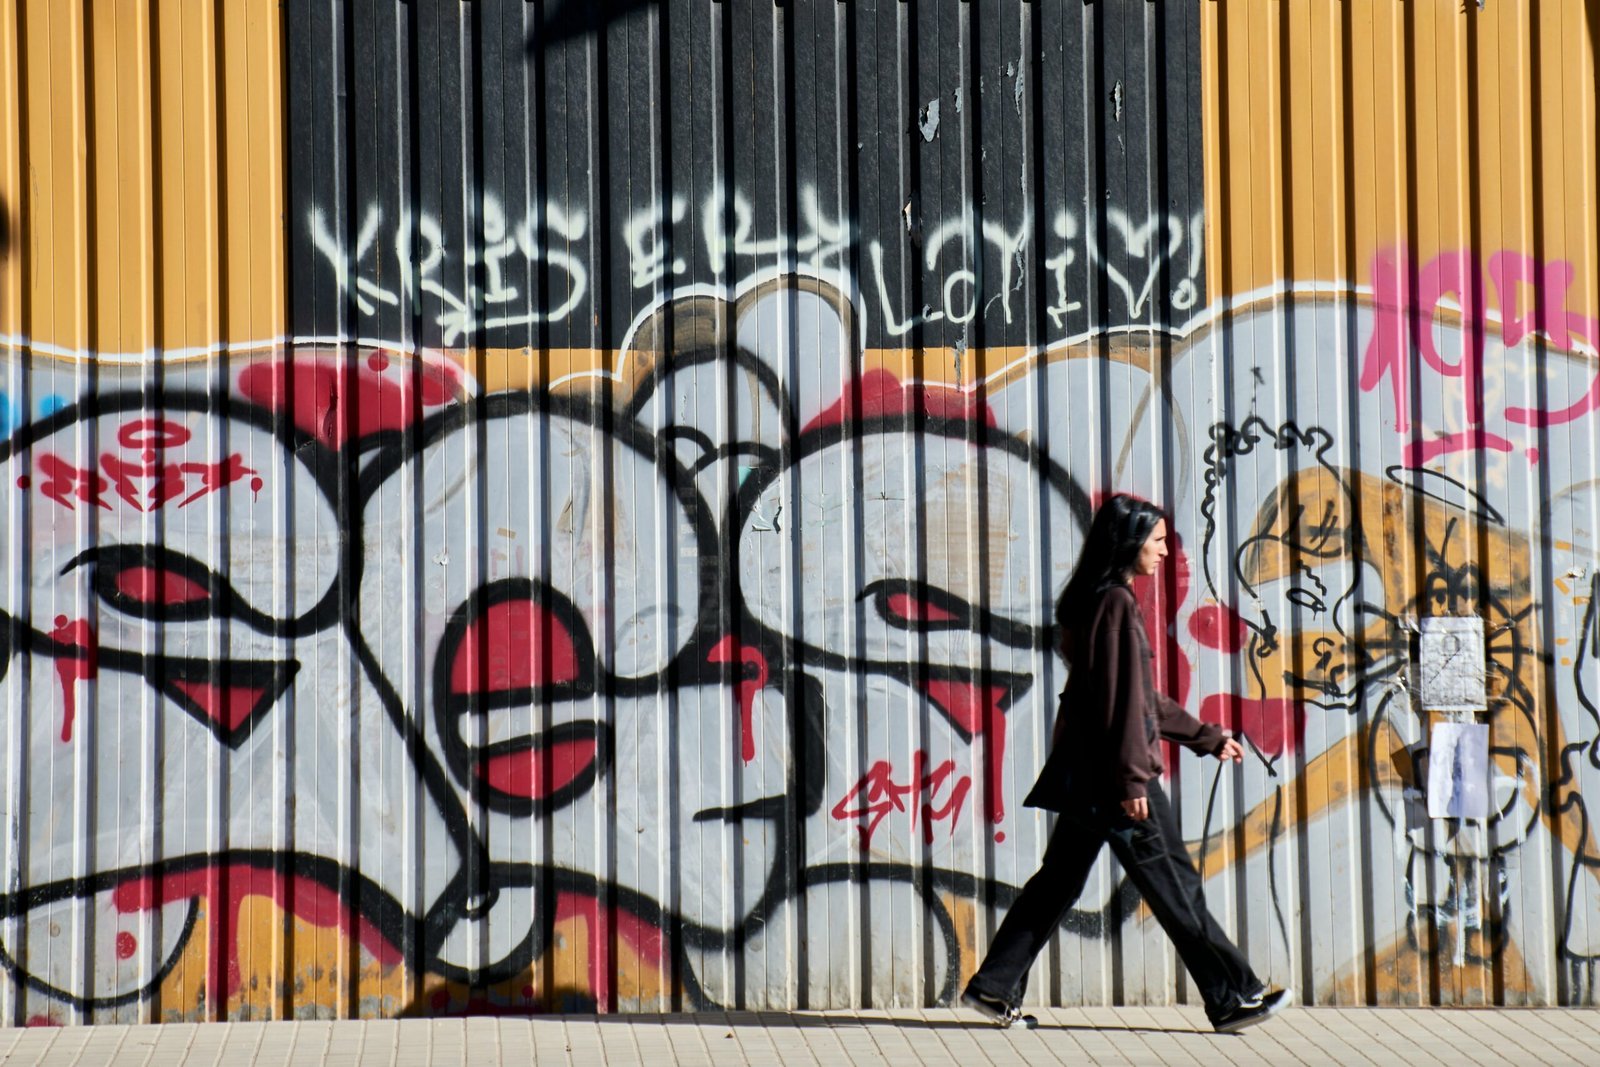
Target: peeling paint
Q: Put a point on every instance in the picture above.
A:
(928, 121)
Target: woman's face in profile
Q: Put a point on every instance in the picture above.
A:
(1153, 551)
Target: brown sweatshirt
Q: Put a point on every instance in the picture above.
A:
(1112, 715)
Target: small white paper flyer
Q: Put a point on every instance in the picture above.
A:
(1452, 666)
(1458, 771)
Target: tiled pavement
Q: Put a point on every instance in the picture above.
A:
(1066, 1036)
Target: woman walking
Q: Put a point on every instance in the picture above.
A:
(1103, 777)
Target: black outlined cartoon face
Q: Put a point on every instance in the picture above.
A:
(181, 580)
(938, 614)
(564, 668)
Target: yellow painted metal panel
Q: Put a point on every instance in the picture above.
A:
(1448, 149)
(151, 177)
(10, 174)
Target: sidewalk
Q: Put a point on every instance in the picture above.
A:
(1066, 1036)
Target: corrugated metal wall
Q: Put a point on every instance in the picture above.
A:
(549, 506)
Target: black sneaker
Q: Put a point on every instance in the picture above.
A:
(1002, 1014)
(1252, 1010)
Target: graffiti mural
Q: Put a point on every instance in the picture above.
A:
(605, 714)
(579, 698)
(575, 523)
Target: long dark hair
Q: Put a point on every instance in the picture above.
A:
(1119, 530)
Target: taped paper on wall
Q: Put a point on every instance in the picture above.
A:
(1458, 771)
(1452, 664)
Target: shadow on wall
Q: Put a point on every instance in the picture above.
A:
(5, 229)
(570, 18)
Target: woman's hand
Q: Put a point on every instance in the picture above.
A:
(1137, 809)
(1230, 750)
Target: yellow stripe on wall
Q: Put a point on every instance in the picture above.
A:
(141, 169)
(1337, 130)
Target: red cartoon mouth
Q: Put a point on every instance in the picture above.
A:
(117, 909)
(227, 696)
(548, 770)
(514, 653)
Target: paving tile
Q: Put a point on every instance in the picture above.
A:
(1579, 1042)
(1134, 1035)
(1466, 1048)
(1545, 1042)
(1335, 1036)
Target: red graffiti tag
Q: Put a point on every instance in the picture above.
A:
(729, 649)
(71, 670)
(1405, 318)
(150, 436)
(65, 483)
(908, 608)
(877, 795)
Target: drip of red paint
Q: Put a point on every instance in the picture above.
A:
(523, 774)
(71, 670)
(881, 393)
(328, 392)
(729, 649)
(1273, 726)
(515, 644)
(226, 887)
(976, 710)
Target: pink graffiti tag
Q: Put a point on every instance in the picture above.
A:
(877, 795)
(1405, 317)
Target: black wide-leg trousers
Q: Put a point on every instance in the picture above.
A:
(1153, 856)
